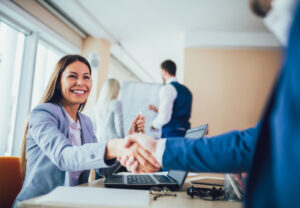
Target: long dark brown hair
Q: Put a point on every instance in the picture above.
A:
(53, 94)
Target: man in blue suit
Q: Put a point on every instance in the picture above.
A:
(275, 142)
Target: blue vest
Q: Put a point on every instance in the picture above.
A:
(182, 107)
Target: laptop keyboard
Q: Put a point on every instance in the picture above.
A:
(162, 179)
(140, 179)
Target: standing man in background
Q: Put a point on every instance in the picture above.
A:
(175, 104)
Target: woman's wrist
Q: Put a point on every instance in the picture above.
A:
(113, 148)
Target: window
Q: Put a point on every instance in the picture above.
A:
(11, 53)
(46, 59)
(28, 54)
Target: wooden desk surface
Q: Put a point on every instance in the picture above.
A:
(181, 200)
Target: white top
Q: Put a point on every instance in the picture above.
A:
(74, 130)
(110, 125)
(167, 95)
(75, 137)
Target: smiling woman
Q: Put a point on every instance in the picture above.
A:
(59, 146)
(75, 86)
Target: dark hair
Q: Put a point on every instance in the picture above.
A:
(169, 66)
(53, 94)
(260, 8)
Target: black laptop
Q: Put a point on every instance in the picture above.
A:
(173, 180)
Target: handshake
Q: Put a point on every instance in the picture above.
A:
(142, 160)
(135, 152)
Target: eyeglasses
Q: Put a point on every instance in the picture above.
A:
(158, 192)
(206, 193)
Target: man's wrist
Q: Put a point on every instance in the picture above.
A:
(160, 149)
(155, 125)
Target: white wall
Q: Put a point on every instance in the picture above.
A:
(154, 48)
(221, 39)
(118, 71)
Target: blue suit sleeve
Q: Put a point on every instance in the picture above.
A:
(230, 152)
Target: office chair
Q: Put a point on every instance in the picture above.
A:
(10, 180)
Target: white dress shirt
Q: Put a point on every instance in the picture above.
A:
(167, 95)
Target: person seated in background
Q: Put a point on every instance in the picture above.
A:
(108, 118)
(274, 146)
(59, 146)
(175, 104)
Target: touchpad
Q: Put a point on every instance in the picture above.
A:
(114, 179)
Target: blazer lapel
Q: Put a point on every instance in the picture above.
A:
(66, 130)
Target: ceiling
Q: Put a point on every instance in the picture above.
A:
(125, 19)
(141, 26)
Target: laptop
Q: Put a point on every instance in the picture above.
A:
(173, 180)
(197, 132)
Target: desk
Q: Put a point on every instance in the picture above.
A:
(181, 200)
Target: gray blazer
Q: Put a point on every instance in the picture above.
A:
(50, 154)
(110, 126)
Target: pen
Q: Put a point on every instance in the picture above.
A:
(140, 132)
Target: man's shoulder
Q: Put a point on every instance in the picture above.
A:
(169, 86)
(177, 85)
(168, 89)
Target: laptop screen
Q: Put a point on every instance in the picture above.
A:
(197, 132)
(178, 176)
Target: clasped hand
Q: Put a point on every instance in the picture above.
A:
(137, 156)
(142, 160)
(135, 152)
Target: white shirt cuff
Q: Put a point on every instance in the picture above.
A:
(160, 149)
(155, 124)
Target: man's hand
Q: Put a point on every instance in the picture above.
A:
(116, 149)
(153, 108)
(147, 142)
(137, 125)
(149, 147)
(147, 163)
(133, 165)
